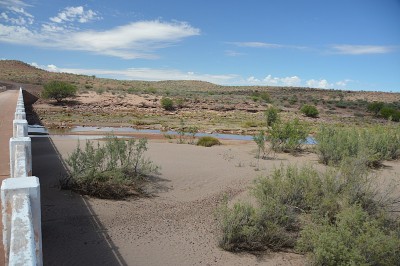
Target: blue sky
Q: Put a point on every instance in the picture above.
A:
(341, 44)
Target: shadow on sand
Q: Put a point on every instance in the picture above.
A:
(71, 232)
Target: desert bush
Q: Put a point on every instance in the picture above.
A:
(372, 145)
(112, 170)
(332, 215)
(261, 96)
(309, 110)
(355, 238)
(58, 90)
(167, 104)
(375, 107)
(271, 115)
(293, 99)
(208, 141)
(288, 136)
(390, 113)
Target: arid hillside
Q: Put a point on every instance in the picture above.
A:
(213, 108)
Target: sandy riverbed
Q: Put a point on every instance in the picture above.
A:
(177, 226)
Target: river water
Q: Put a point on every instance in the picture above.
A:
(36, 130)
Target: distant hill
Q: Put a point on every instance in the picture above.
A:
(19, 72)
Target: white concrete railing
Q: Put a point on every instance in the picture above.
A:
(20, 199)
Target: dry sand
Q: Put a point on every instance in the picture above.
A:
(176, 226)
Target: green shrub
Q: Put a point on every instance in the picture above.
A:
(355, 238)
(375, 107)
(167, 104)
(272, 115)
(341, 104)
(293, 99)
(261, 96)
(372, 145)
(112, 170)
(244, 227)
(338, 216)
(309, 110)
(58, 90)
(208, 141)
(388, 112)
(288, 136)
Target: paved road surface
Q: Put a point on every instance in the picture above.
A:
(8, 103)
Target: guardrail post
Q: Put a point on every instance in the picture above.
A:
(11, 189)
(20, 128)
(19, 115)
(19, 146)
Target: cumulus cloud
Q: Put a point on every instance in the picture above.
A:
(156, 74)
(78, 13)
(295, 81)
(362, 49)
(322, 83)
(292, 81)
(131, 41)
(150, 74)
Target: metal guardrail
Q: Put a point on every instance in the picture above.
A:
(20, 198)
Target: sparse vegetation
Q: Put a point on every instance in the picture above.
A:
(371, 145)
(167, 104)
(208, 141)
(113, 170)
(260, 140)
(390, 113)
(309, 110)
(337, 217)
(261, 96)
(271, 115)
(288, 136)
(375, 107)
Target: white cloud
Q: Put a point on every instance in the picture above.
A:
(15, 3)
(78, 13)
(257, 44)
(362, 49)
(232, 53)
(20, 10)
(131, 41)
(322, 83)
(52, 68)
(150, 74)
(293, 81)
(265, 45)
(15, 12)
(153, 74)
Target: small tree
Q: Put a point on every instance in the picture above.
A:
(58, 90)
(272, 115)
(309, 110)
(260, 141)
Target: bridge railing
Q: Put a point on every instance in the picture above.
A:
(20, 198)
